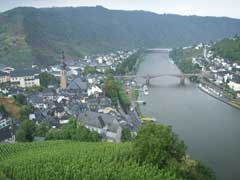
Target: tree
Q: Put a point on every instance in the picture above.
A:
(126, 135)
(54, 134)
(46, 79)
(41, 130)
(110, 89)
(108, 72)
(25, 111)
(34, 88)
(73, 131)
(123, 98)
(20, 99)
(157, 144)
(26, 131)
(190, 169)
(89, 70)
(2, 109)
(21, 135)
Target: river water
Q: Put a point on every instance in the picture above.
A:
(210, 128)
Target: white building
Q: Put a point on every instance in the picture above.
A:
(4, 77)
(234, 84)
(94, 90)
(25, 78)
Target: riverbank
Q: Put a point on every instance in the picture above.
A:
(217, 95)
(183, 59)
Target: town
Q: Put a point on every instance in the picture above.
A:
(223, 80)
(73, 88)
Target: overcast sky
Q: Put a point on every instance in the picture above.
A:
(230, 8)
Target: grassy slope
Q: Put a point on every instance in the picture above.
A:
(74, 160)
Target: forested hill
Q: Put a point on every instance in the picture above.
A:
(29, 35)
(229, 48)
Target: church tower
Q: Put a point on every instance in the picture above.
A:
(63, 73)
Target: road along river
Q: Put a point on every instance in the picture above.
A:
(210, 128)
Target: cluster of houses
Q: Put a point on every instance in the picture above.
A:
(100, 63)
(6, 131)
(223, 70)
(79, 95)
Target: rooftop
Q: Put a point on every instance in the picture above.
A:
(99, 120)
(24, 72)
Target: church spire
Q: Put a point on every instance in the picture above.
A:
(63, 80)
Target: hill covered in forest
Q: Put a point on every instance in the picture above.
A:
(228, 48)
(37, 36)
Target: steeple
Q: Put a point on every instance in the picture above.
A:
(63, 73)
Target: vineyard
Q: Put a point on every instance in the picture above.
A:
(68, 160)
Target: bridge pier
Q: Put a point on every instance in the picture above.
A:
(182, 81)
(148, 81)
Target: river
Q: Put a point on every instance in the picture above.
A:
(210, 128)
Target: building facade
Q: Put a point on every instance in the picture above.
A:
(25, 78)
(4, 77)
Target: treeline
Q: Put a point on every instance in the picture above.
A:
(47, 79)
(229, 49)
(74, 130)
(183, 59)
(129, 64)
(114, 89)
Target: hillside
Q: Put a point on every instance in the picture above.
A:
(229, 49)
(37, 36)
(155, 153)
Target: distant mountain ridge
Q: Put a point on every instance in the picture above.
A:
(37, 36)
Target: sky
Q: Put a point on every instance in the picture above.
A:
(229, 8)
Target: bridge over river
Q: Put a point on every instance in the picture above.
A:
(181, 76)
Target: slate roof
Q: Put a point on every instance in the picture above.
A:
(59, 108)
(5, 133)
(77, 83)
(236, 79)
(78, 108)
(48, 92)
(3, 73)
(24, 72)
(99, 120)
(36, 100)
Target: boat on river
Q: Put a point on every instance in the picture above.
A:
(141, 102)
(145, 90)
(148, 119)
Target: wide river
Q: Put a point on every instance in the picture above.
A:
(210, 128)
